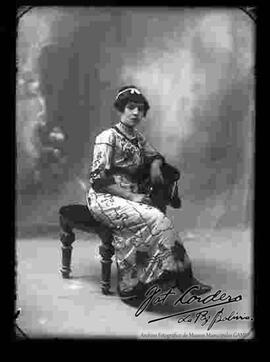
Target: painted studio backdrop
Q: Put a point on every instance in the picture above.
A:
(196, 67)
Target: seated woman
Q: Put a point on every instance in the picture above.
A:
(137, 226)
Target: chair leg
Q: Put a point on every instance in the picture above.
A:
(106, 251)
(67, 237)
(66, 240)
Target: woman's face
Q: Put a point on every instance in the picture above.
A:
(133, 114)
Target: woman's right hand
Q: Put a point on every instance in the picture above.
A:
(141, 198)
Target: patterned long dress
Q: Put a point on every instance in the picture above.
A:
(137, 227)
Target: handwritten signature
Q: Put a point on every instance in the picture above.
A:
(155, 296)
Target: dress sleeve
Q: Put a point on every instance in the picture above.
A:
(102, 160)
(149, 152)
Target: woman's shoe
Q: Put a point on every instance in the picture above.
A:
(127, 295)
(200, 287)
(133, 294)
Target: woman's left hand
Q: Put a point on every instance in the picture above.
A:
(155, 173)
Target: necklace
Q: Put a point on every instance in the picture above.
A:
(132, 140)
(129, 130)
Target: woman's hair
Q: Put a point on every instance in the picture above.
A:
(127, 94)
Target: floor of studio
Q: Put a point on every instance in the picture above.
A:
(52, 307)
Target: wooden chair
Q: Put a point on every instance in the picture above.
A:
(78, 217)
